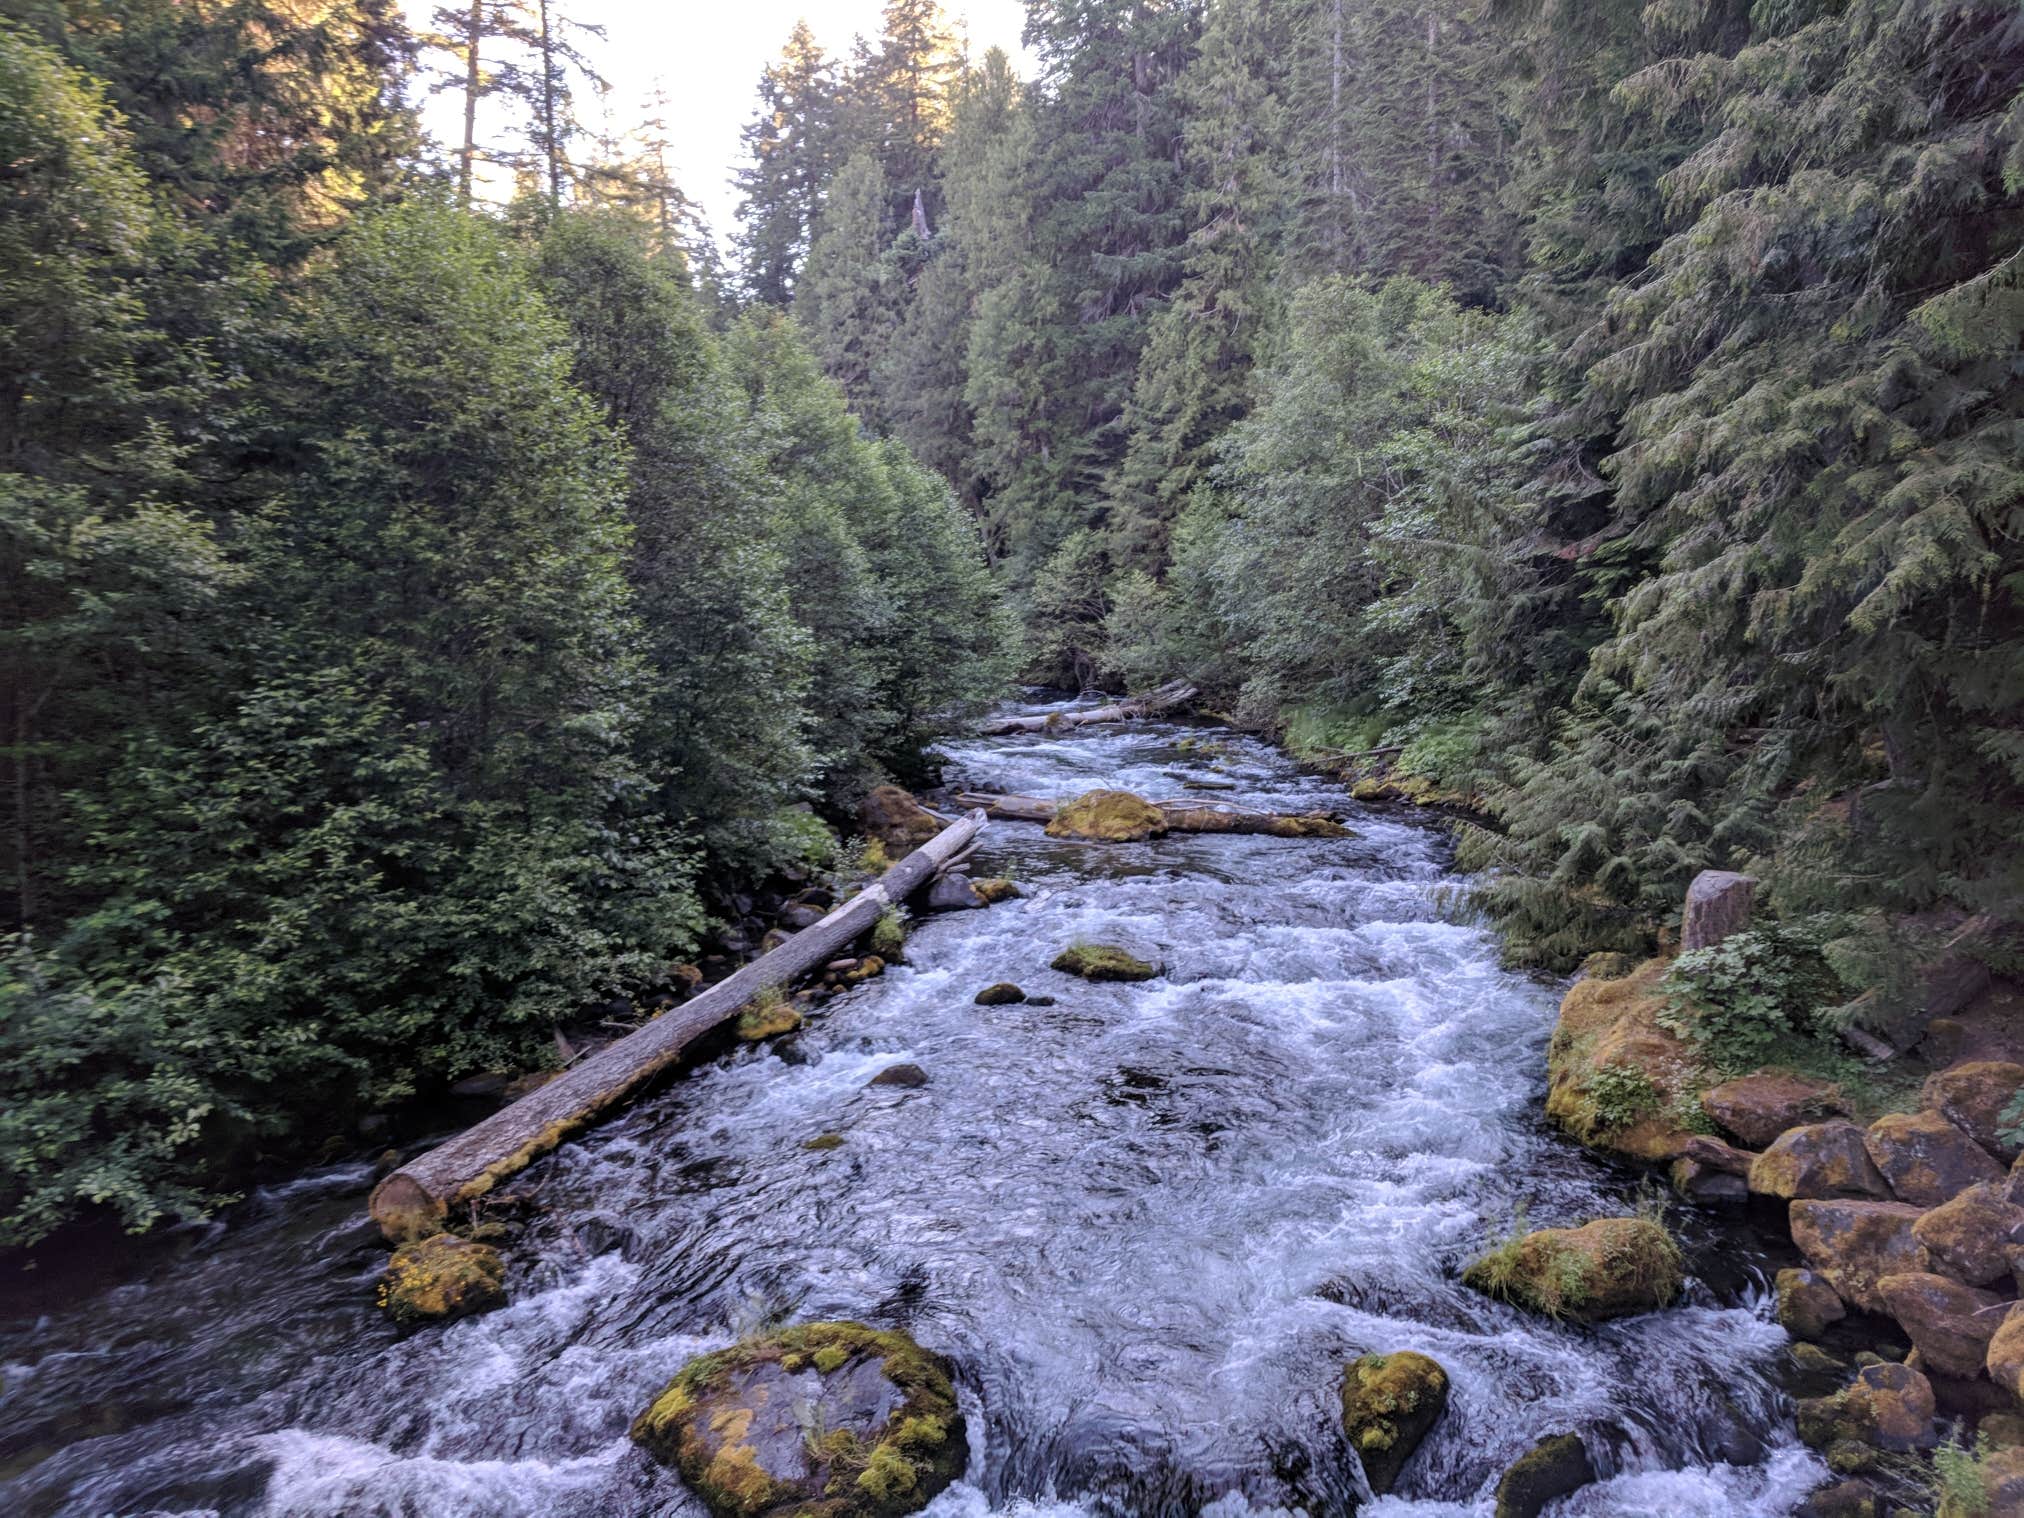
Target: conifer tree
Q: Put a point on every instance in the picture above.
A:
(791, 153)
(844, 301)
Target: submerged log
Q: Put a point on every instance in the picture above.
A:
(413, 1201)
(1178, 816)
(1165, 699)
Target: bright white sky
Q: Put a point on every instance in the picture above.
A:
(707, 55)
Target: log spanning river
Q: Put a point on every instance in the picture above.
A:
(1147, 1225)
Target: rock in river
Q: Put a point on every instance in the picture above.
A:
(1548, 1471)
(1095, 961)
(1807, 1303)
(1002, 994)
(1388, 1404)
(1108, 817)
(830, 1418)
(1603, 1269)
(442, 1277)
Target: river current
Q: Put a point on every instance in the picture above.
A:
(1147, 1224)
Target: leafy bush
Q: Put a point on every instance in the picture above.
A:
(1743, 1002)
(1620, 1095)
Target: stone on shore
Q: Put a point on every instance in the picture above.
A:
(1972, 1096)
(830, 1418)
(1757, 1108)
(1616, 1078)
(1856, 1244)
(1889, 1407)
(1807, 1303)
(1950, 1324)
(1718, 904)
(892, 816)
(1388, 1404)
(1926, 1159)
(1818, 1161)
(2005, 1359)
(1970, 1237)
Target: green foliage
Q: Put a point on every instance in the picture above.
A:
(1620, 1095)
(1957, 1478)
(1744, 1002)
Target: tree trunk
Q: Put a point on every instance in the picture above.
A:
(414, 1200)
(1165, 699)
(474, 31)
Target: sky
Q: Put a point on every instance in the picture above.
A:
(707, 55)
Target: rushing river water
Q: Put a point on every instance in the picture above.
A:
(1147, 1224)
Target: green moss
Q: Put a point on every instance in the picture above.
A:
(888, 936)
(1602, 1269)
(823, 1141)
(830, 1357)
(888, 1476)
(1103, 962)
(1107, 817)
(768, 1015)
(442, 1277)
(998, 888)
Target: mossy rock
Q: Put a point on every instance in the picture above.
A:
(442, 1277)
(998, 888)
(1548, 1471)
(1604, 1269)
(1003, 994)
(831, 1420)
(1108, 817)
(823, 1142)
(1095, 961)
(1388, 1404)
(1617, 1080)
(868, 968)
(768, 1019)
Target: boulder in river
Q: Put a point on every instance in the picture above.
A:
(1107, 817)
(905, 1076)
(1710, 1185)
(1818, 1160)
(1388, 1404)
(1807, 1303)
(1856, 1244)
(834, 1419)
(998, 888)
(1926, 1159)
(1551, 1469)
(1095, 961)
(1757, 1108)
(1002, 994)
(442, 1277)
(1950, 1324)
(1970, 1237)
(1607, 1268)
(954, 893)
(1972, 1096)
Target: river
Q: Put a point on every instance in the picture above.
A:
(1147, 1224)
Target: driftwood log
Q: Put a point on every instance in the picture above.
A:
(1181, 816)
(414, 1200)
(1165, 699)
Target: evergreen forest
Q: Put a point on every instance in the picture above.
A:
(427, 609)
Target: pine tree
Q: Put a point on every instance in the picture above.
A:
(844, 301)
(790, 147)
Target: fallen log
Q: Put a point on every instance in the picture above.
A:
(1165, 699)
(414, 1200)
(1179, 816)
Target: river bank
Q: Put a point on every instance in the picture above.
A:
(1147, 1224)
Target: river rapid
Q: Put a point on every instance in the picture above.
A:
(1147, 1224)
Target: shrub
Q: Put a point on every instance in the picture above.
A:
(1743, 1002)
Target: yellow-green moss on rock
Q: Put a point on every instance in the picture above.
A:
(1388, 1404)
(1604, 1269)
(1095, 961)
(831, 1420)
(1107, 817)
(1617, 1080)
(442, 1277)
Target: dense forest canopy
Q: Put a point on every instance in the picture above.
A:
(423, 613)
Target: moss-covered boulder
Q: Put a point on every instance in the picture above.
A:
(1757, 1108)
(1856, 1244)
(1926, 1159)
(1617, 1080)
(1604, 1269)
(1107, 817)
(1095, 961)
(1807, 1303)
(998, 888)
(895, 819)
(833, 1420)
(1003, 994)
(1388, 1404)
(1817, 1160)
(1969, 1238)
(1972, 1096)
(1548, 1471)
(442, 1277)
(1887, 1407)
(1950, 1324)
(2005, 1360)
(768, 1017)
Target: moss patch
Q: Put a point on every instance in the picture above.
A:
(1603, 1269)
(701, 1424)
(1103, 962)
(998, 888)
(1617, 1080)
(442, 1277)
(1388, 1404)
(768, 1015)
(1108, 817)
